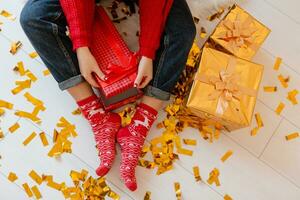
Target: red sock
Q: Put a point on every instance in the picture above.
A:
(105, 125)
(131, 139)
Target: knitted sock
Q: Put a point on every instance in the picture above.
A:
(105, 125)
(131, 139)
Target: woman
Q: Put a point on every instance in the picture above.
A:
(167, 32)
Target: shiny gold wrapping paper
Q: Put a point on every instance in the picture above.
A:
(244, 37)
(239, 112)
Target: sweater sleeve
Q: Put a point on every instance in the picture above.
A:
(153, 14)
(79, 15)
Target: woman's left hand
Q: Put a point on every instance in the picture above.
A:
(145, 72)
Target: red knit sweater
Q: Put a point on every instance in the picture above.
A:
(153, 15)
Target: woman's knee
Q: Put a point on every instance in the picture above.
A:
(28, 15)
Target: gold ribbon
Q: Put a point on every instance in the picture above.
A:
(238, 33)
(226, 87)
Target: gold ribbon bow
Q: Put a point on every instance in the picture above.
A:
(226, 86)
(238, 33)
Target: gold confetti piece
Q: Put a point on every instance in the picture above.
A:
(214, 177)
(270, 88)
(216, 15)
(259, 120)
(277, 63)
(31, 76)
(15, 46)
(5, 104)
(197, 173)
(37, 178)
(292, 136)
(28, 115)
(226, 155)
(21, 85)
(279, 108)
(147, 196)
(76, 112)
(29, 138)
(2, 112)
(14, 127)
(8, 15)
(292, 96)
(254, 131)
(46, 72)
(33, 55)
(203, 33)
(1, 134)
(190, 142)
(12, 177)
(283, 81)
(177, 190)
(32, 99)
(44, 139)
(20, 68)
(54, 185)
(36, 192)
(27, 190)
(227, 197)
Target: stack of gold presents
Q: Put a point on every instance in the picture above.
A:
(226, 84)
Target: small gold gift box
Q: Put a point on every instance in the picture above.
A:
(239, 34)
(225, 89)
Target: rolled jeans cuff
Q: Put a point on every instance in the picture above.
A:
(157, 93)
(71, 82)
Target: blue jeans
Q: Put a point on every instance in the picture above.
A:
(44, 23)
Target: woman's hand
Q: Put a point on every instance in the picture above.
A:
(88, 65)
(145, 72)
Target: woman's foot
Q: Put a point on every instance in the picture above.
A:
(131, 139)
(105, 125)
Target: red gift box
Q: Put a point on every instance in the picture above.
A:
(116, 61)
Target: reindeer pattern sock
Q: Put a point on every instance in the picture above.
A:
(105, 125)
(131, 139)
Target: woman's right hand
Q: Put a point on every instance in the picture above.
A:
(88, 65)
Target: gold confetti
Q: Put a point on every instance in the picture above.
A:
(2, 112)
(277, 63)
(34, 176)
(283, 81)
(76, 112)
(30, 75)
(216, 15)
(28, 115)
(20, 68)
(190, 142)
(226, 155)
(8, 15)
(44, 139)
(14, 127)
(21, 85)
(197, 173)
(46, 72)
(12, 177)
(33, 55)
(270, 88)
(292, 96)
(254, 131)
(5, 104)
(147, 196)
(15, 46)
(203, 33)
(227, 197)
(54, 185)
(259, 120)
(279, 108)
(292, 136)
(36, 192)
(34, 101)
(1, 134)
(27, 190)
(214, 177)
(29, 138)
(177, 190)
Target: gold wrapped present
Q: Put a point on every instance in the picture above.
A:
(239, 34)
(225, 89)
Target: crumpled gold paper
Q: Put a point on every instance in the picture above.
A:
(227, 94)
(240, 34)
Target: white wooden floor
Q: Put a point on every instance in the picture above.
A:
(264, 167)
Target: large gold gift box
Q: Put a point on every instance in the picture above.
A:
(239, 34)
(225, 89)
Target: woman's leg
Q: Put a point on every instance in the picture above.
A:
(170, 61)
(44, 23)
